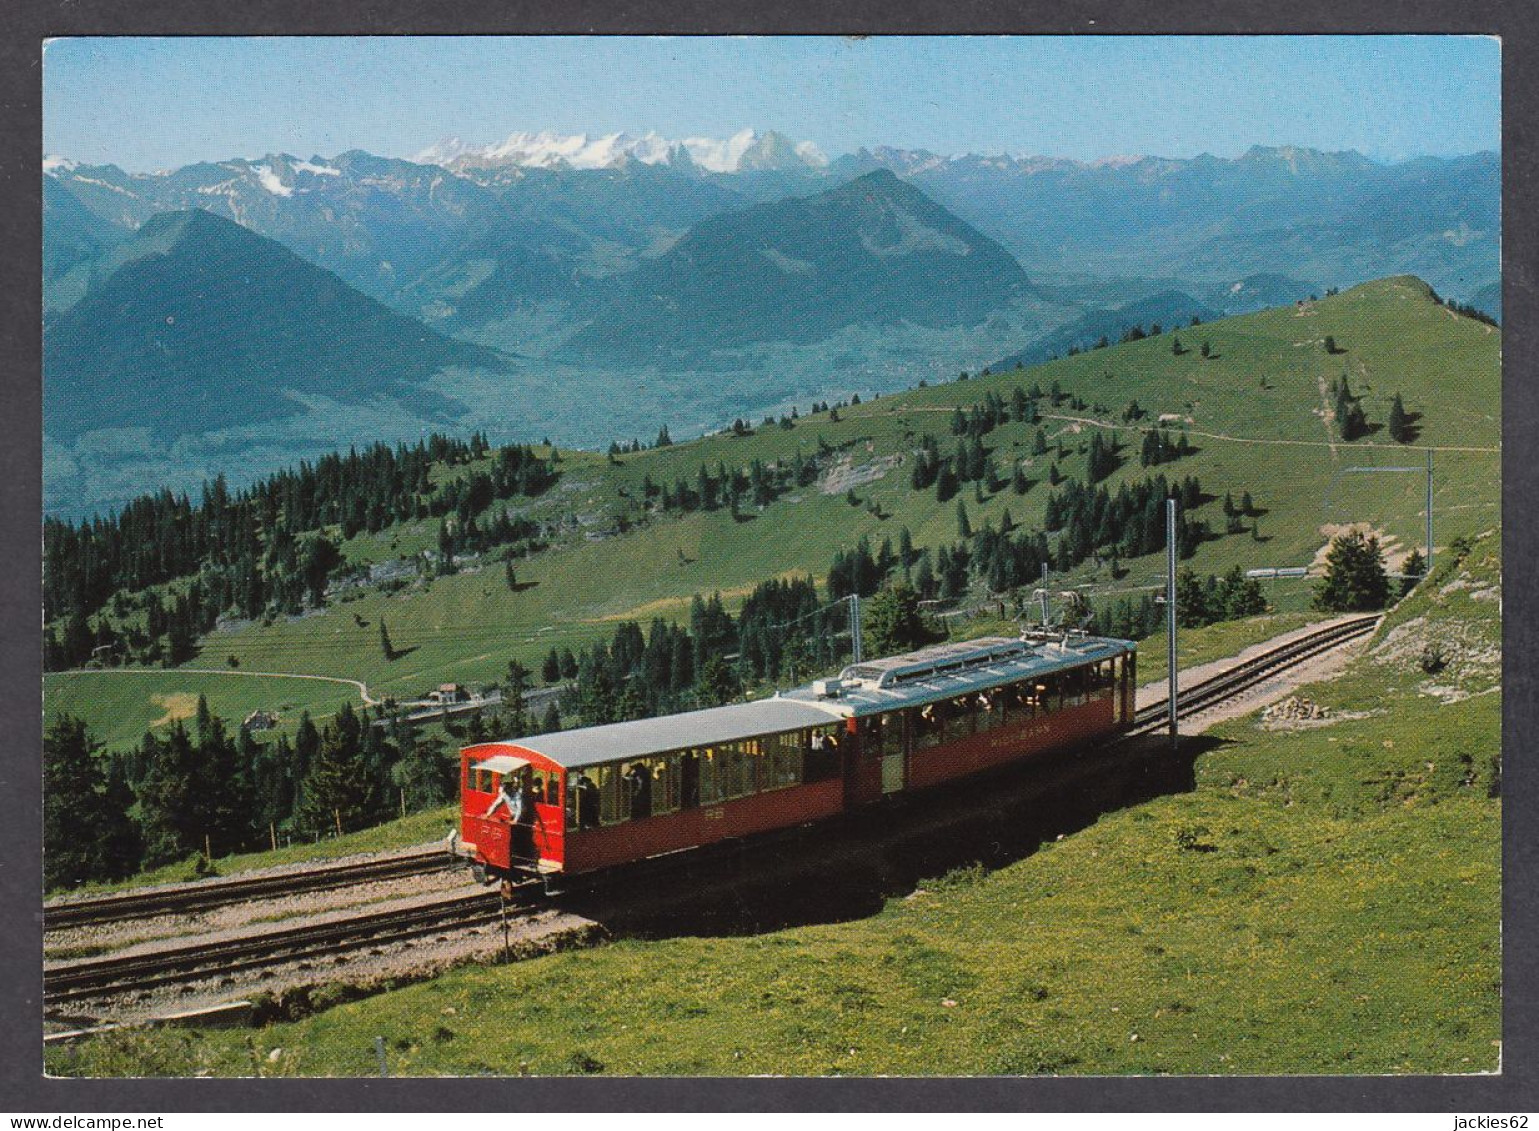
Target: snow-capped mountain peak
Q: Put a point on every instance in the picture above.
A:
(746, 149)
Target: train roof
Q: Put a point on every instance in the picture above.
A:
(589, 746)
(890, 684)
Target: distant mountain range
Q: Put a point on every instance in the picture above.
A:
(199, 324)
(743, 151)
(601, 285)
(415, 234)
(875, 251)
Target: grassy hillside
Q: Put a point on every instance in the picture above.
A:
(1253, 408)
(1326, 900)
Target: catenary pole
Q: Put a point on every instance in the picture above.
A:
(1170, 614)
(1428, 572)
(855, 626)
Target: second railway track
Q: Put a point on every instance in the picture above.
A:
(140, 970)
(208, 894)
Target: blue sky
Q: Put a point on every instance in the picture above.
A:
(160, 103)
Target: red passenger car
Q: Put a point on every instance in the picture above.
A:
(598, 797)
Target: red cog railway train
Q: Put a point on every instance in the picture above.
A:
(612, 795)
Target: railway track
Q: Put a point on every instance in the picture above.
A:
(208, 894)
(111, 975)
(1243, 676)
(95, 978)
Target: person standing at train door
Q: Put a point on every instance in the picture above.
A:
(587, 803)
(640, 781)
(523, 815)
(689, 780)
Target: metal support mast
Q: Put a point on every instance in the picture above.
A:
(855, 626)
(1170, 614)
(1428, 572)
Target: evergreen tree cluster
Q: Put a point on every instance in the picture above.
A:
(861, 572)
(1159, 448)
(1129, 524)
(1199, 602)
(970, 463)
(1136, 333)
(757, 485)
(982, 417)
(1129, 618)
(1355, 579)
(1102, 459)
(784, 630)
(1351, 421)
(266, 548)
(1204, 601)
(1401, 428)
(1471, 312)
(204, 789)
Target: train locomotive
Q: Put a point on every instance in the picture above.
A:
(577, 802)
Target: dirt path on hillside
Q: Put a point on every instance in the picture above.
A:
(1122, 427)
(363, 690)
(1233, 439)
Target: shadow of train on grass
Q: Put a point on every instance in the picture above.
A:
(847, 869)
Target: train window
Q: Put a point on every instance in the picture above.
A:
(613, 795)
(872, 731)
(739, 767)
(961, 720)
(823, 753)
(547, 787)
(665, 784)
(989, 708)
(783, 765)
(689, 778)
(1047, 689)
(885, 737)
(582, 801)
(928, 724)
(1020, 701)
(636, 793)
(712, 787)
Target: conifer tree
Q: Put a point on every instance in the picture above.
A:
(1355, 579)
(514, 687)
(81, 793)
(893, 622)
(550, 722)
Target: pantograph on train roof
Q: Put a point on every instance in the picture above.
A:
(946, 670)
